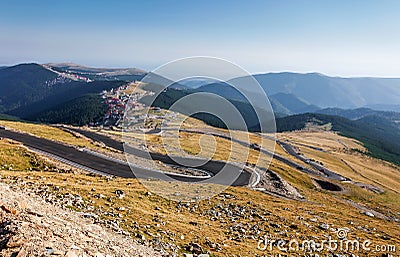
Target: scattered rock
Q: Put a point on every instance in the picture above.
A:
(15, 242)
(59, 231)
(29, 211)
(275, 225)
(369, 214)
(91, 215)
(324, 226)
(21, 253)
(9, 209)
(119, 193)
(71, 254)
(194, 248)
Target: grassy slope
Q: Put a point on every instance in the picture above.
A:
(49, 132)
(339, 157)
(379, 136)
(149, 215)
(142, 217)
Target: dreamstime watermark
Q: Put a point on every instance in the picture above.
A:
(214, 90)
(310, 246)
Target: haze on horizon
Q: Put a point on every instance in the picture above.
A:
(340, 38)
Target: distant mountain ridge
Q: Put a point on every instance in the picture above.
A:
(28, 89)
(385, 107)
(82, 68)
(282, 103)
(99, 73)
(314, 89)
(292, 104)
(289, 93)
(292, 93)
(324, 91)
(365, 114)
(354, 114)
(23, 84)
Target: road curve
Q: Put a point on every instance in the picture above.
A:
(119, 146)
(212, 166)
(330, 174)
(111, 167)
(262, 150)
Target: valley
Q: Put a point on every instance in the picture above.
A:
(153, 220)
(324, 170)
(199, 128)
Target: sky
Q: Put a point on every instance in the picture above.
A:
(334, 37)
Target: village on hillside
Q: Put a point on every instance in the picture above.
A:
(122, 100)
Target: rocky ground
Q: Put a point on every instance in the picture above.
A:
(271, 183)
(118, 217)
(29, 226)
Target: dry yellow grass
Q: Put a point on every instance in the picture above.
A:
(370, 170)
(12, 156)
(330, 207)
(134, 87)
(141, 211)
(348, 163)
(358, 167)
(324, 139)
(150, 214)
(48, 132)
(208, 146)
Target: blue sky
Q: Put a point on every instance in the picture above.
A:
(335, 37)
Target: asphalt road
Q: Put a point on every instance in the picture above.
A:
(320, 170)
(119, 146)
(212, 166)
(262, 150)
(330, 174)
(110, 167)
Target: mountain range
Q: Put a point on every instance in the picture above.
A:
(294, 100)
(27, 90)
(63, 93)
(130, 74)
(289, 93)
(323, 91)
(294, 93)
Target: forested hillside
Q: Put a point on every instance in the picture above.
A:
(28, 91)
(380, 136)
(80, 111)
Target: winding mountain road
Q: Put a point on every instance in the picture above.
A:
(103, 165)
(319, 170)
